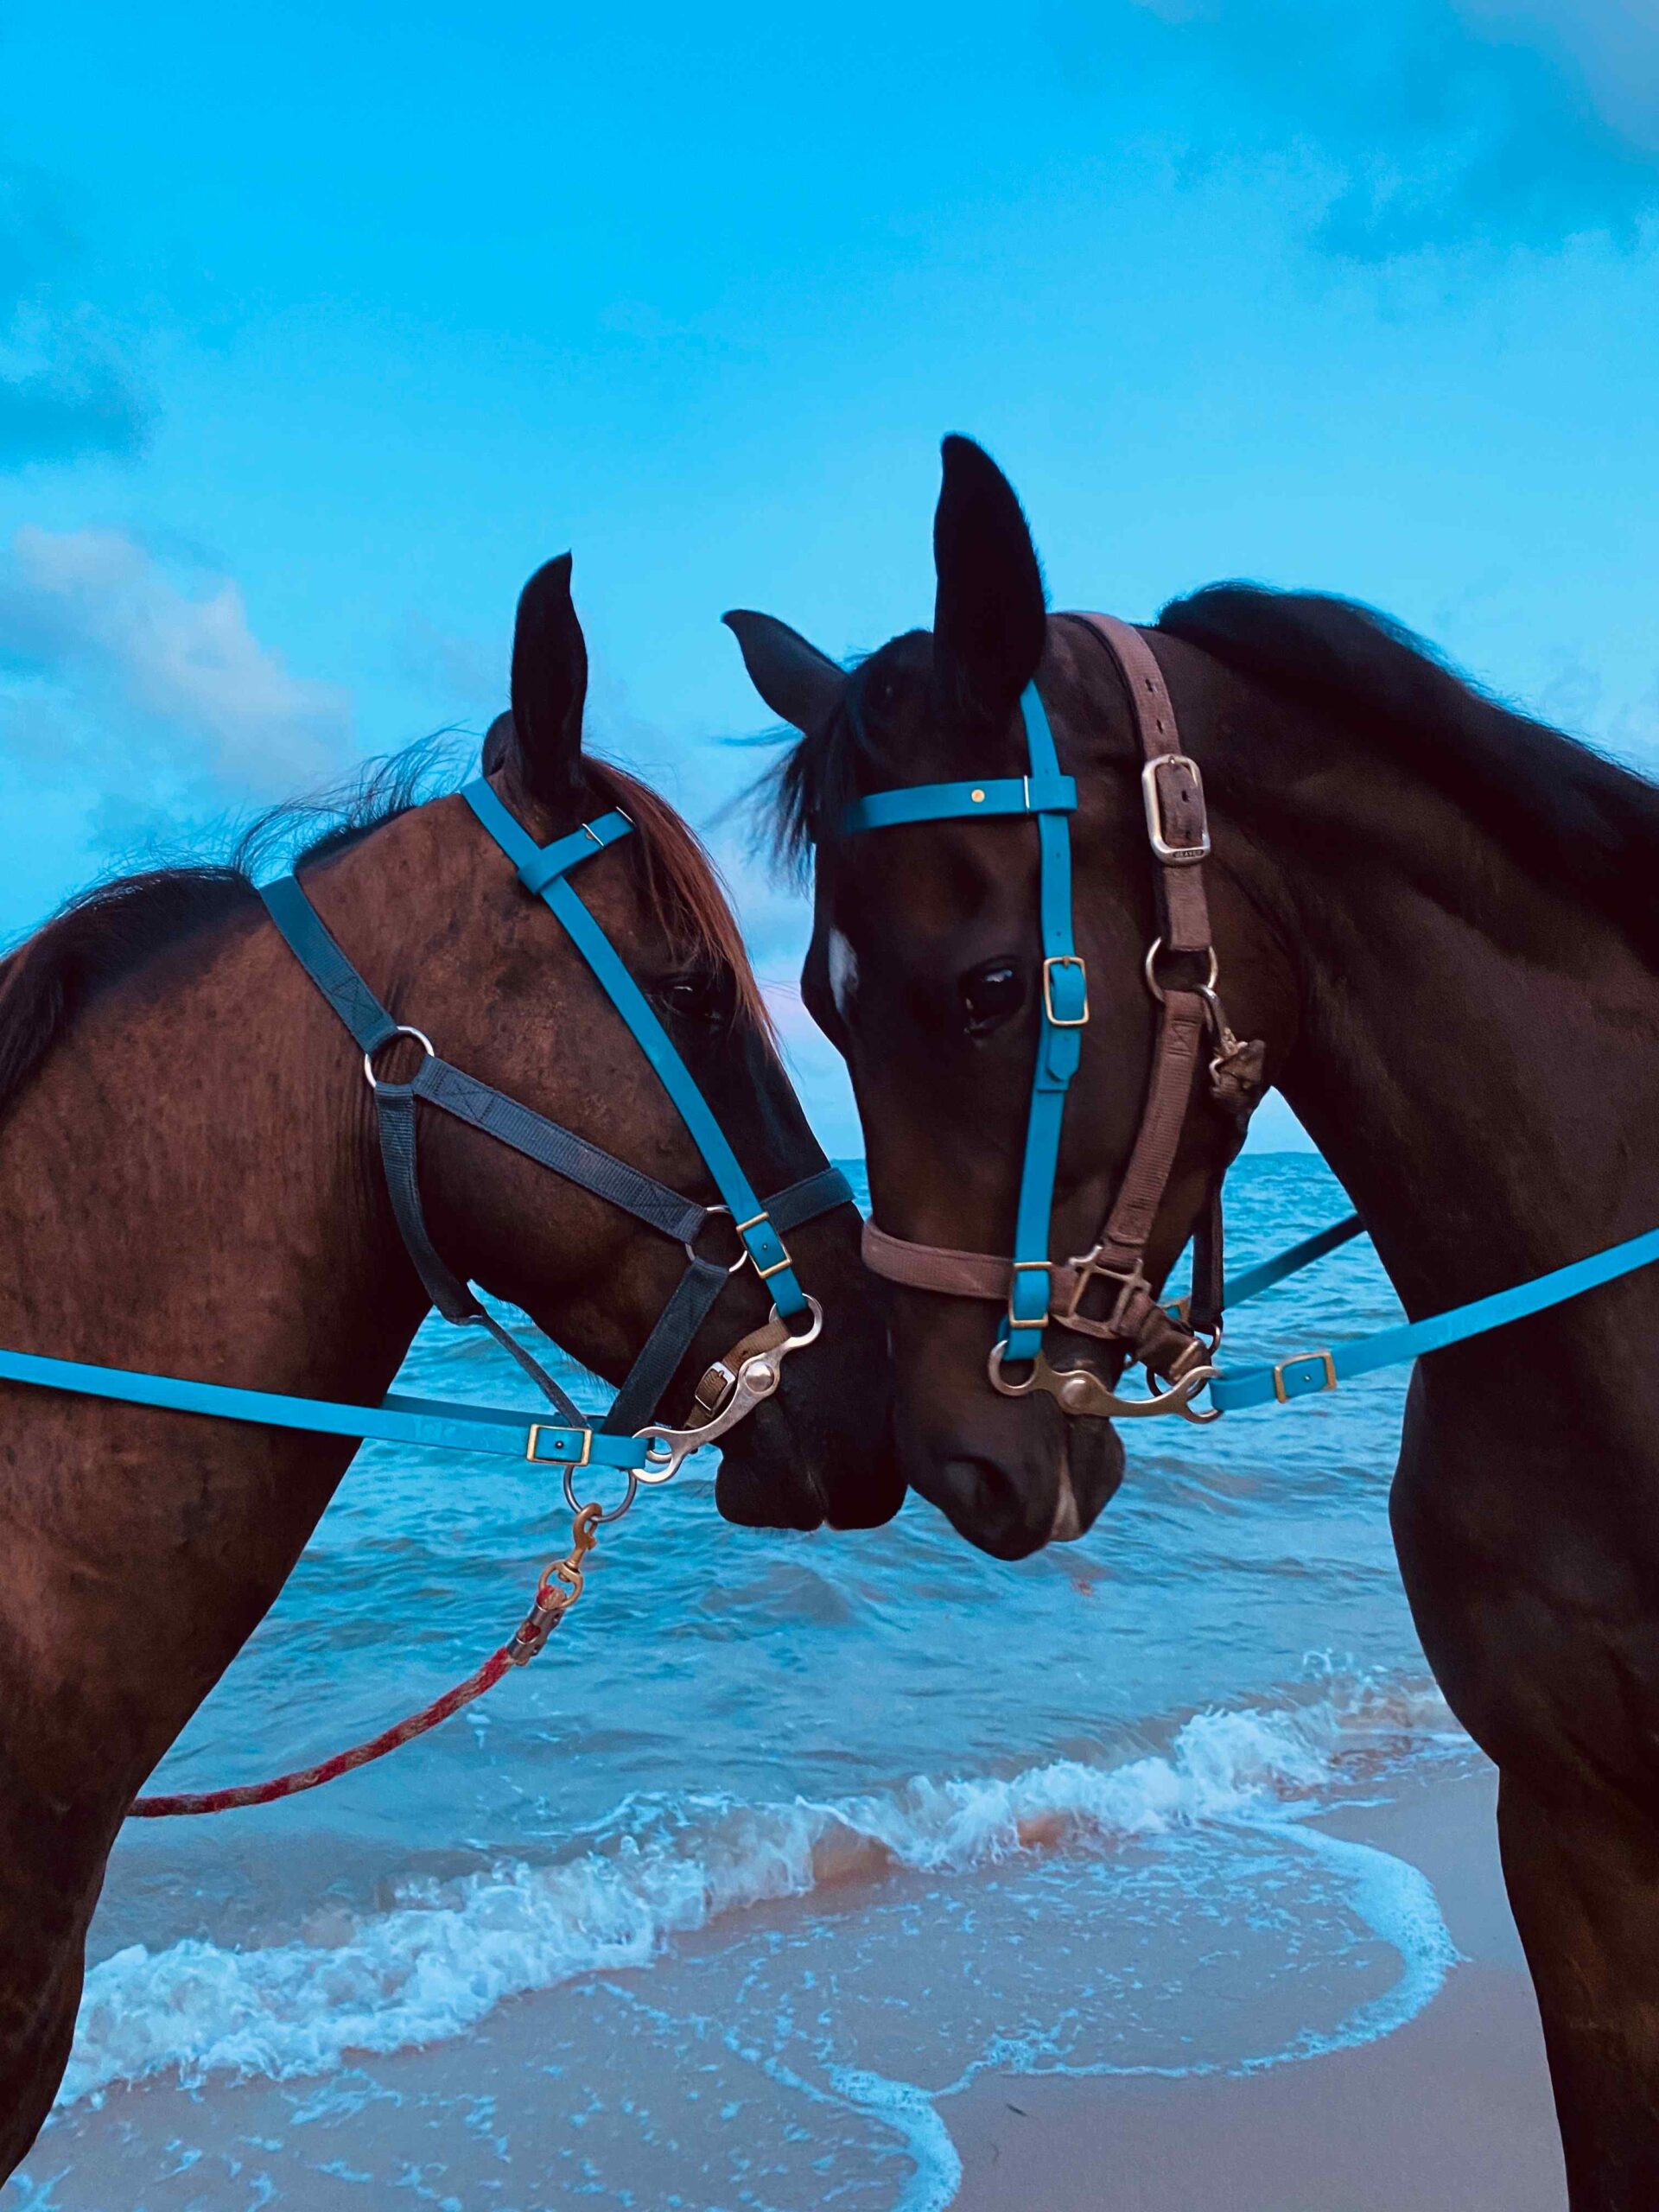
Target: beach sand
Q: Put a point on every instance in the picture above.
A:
(1452, 2113)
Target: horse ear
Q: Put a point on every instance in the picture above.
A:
(799, 683)
(497, 744)
(990, 612)
(549, 683)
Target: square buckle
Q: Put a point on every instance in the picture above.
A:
(1153, 798)
(1027, 1268)
(1064, 1020)
(1130, 1279)
(537, 1429)
(1297, 1360)
(778, 1266)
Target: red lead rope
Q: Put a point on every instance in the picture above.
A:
(557, 1591)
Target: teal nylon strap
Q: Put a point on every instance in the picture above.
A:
(1315, 1372)
(1049, 797)
(544, 869)
(1065, 1010)
(1050, 793)
(494, 1429)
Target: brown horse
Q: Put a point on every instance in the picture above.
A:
(1442, 919)
(189, 1183)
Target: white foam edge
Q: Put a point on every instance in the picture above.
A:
(445, 1954)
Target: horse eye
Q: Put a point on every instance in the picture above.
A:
(698, 995)
(990, 995)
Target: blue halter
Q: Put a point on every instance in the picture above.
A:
(1050, 798)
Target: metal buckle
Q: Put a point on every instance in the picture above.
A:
(777, 1267)
(1153, 798)
(1064, 960)
(538, 1427)
(1086, 1269)
(1027, 1268)
(1329, 1383)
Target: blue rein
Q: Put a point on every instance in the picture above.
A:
(1307, 1374)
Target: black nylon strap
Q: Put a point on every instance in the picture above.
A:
(666, 1347)
(813, 1195)
(1205, 1303)
(394, 1116)
(566, 1154)
(454, 1300)
(326, 964)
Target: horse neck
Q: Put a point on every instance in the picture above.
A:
(189, 1182)
(1464, 1059)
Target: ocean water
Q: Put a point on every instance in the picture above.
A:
(785, 1838)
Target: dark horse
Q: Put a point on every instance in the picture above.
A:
(189, 1183)
(1443, 919)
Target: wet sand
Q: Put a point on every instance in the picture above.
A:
(1452, 2113)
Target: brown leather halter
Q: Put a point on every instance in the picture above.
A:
(1168, 1343)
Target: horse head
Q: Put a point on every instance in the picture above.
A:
(496, 984)
(931, 968)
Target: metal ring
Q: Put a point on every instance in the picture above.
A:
(688, 1245)
(403, 1029)
(1148, 969)
(616, 1511)
(793, 1342)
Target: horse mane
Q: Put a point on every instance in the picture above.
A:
(681, 887)
(1566, 813)
(823, 771)
(106, 935)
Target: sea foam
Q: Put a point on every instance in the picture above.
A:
(447, 1953)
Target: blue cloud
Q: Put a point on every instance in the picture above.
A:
(1424, 124)
(67, 386)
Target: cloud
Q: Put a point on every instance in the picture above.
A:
(144, 680)
(1426, 124)
(1610, 45)
(67, 385)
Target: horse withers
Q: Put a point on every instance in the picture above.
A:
(191, 1184)
(1436, 918)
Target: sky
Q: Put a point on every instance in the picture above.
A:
(322, 327)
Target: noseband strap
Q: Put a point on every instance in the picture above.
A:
(1039, 1291)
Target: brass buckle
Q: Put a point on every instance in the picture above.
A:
(1027, 1268)
(1329, 1383)
(1064, 960)
(778, 1266)
(536, 1428)
(1152, 799)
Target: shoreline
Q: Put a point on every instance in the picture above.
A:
(1451, 2113)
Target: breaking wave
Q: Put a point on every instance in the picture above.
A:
(447, 1952)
